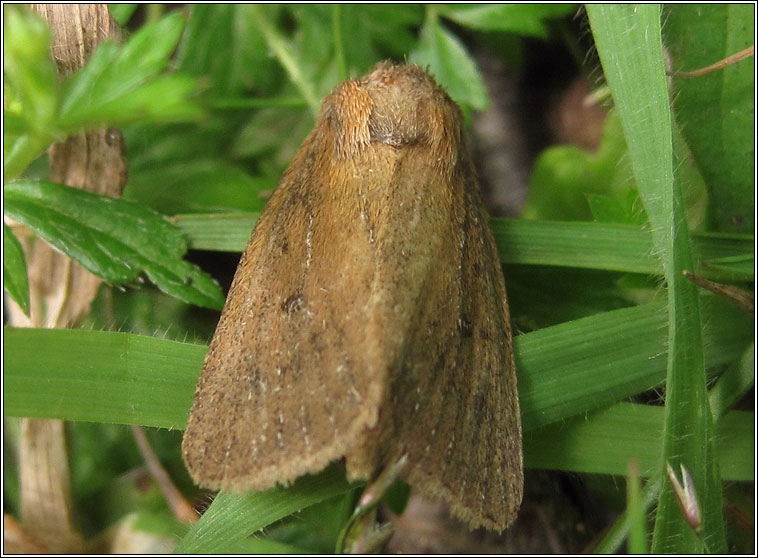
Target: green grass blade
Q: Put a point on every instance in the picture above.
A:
(571, 244)
(628, 39)
(563, 370)
(733, 383)
(221, 232)
(619, 531)
(133, 379)
(635, 510)
(99, 376)
(283, 52)
(605, 440)
(233, 517)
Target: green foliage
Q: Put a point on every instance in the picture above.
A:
(14, 269)
(91, 229)
(214, 100)
(717, 111)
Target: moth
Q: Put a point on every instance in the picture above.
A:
(367, 320)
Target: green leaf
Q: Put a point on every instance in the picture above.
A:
(284, 53)
(122, 12)
(564, 175)
(113, 238)
(572, 367)
(450, 63)
(616, 535)
(733, 383)
(201, 184)
(100, 376)
(635, 510)
(223, 232)
(716, 111)
(15, 279)
(30, 91)
(524, 19)
(222, 46)
(27, 66)
(121, 84)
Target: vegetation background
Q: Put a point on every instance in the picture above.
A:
(620, 177)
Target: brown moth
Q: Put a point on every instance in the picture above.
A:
(367, 319)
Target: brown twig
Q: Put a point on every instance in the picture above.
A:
(729, 60)
(181, 508)
(740, 297)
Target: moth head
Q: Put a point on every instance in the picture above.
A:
(398, 105)
(408, 107)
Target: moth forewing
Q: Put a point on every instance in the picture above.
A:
(367, 318)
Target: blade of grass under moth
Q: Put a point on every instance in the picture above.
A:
(572, 244)
(233, 517)
(160, 374)
(132, 379)
(220, 232)
(628, 40)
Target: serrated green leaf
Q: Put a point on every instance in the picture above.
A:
(450, 63)
(117, 82)
(524, 19)
(113, 238)
(15, 279)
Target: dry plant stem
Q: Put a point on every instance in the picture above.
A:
(729, 60)
(183, 511)
(742, 298)
(17, 540)
(61, 291)
(45, 487)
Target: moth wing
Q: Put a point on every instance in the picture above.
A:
(283, 390)
(456, 412)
